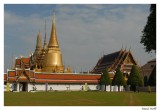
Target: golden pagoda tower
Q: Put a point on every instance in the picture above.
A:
(38, 50)
(44, 50)
(45, 44)
(53, 57)
(39, 44)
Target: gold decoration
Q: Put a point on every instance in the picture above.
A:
(53, 57)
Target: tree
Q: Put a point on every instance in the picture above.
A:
(134, 78)
(105, 79)
(148, 39)
(152, 78)
(118, 79)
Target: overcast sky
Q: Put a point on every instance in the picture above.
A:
(84, 32)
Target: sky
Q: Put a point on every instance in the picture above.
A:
(85, 32)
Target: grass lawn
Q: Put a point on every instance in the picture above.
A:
(79, 99)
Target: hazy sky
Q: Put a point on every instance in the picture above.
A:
(84, 32)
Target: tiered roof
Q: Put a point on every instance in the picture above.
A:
(113, 61)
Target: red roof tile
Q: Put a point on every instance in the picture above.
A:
(67, 76)
(12, 79)
(66, 81)
(18, 61)
(5, 77)
(26, 60)
(11, 73)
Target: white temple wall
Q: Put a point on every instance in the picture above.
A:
(39, 87)
(61, 87)
(93, 87)
(30, 87)
(108, 88)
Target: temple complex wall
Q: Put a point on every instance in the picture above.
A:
(29, 87)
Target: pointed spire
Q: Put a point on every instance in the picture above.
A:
(45, 33)
(122, 47)
(45, 44)
(39, 41)
(53, 57)
(129, 48)
(13, 63)
(125, 48)
(53, 42)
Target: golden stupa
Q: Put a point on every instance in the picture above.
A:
(53, 57)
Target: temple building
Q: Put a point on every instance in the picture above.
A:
(147, 70)
(48, 59)
(44, 70)
(122, 59)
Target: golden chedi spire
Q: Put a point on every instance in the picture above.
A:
(44, 50)
(53, 57)
(53, 42)
(39, 43)
(38, 50)
(38, 46)
(45, 44)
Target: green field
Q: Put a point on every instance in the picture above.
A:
(79, 99)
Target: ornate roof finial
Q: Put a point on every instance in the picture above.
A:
(129, 48)
(122, 47)
(125, 48)
(54, 15)
(13, 63)
(103, 53)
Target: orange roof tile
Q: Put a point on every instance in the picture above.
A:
(11, 73)
(12, 79)
(5, 77)
(67, 76)
(26, 60)
(66, 81)
(18, 61)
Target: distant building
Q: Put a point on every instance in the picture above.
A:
(122, 59)
(147, 70)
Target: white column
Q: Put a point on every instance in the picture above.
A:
(17, 87)
(108, 88)
(112, 88)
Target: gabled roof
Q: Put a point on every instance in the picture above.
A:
(112, 61)
(110, 57)
(26, 60)
(153, 60)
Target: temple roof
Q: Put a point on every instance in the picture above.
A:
(153, 60)
(110, 57)
(113, 61)
(17, 75)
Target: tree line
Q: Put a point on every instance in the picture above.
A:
(134, 79)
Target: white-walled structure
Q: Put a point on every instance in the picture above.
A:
(39, 81)
(29, 87)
